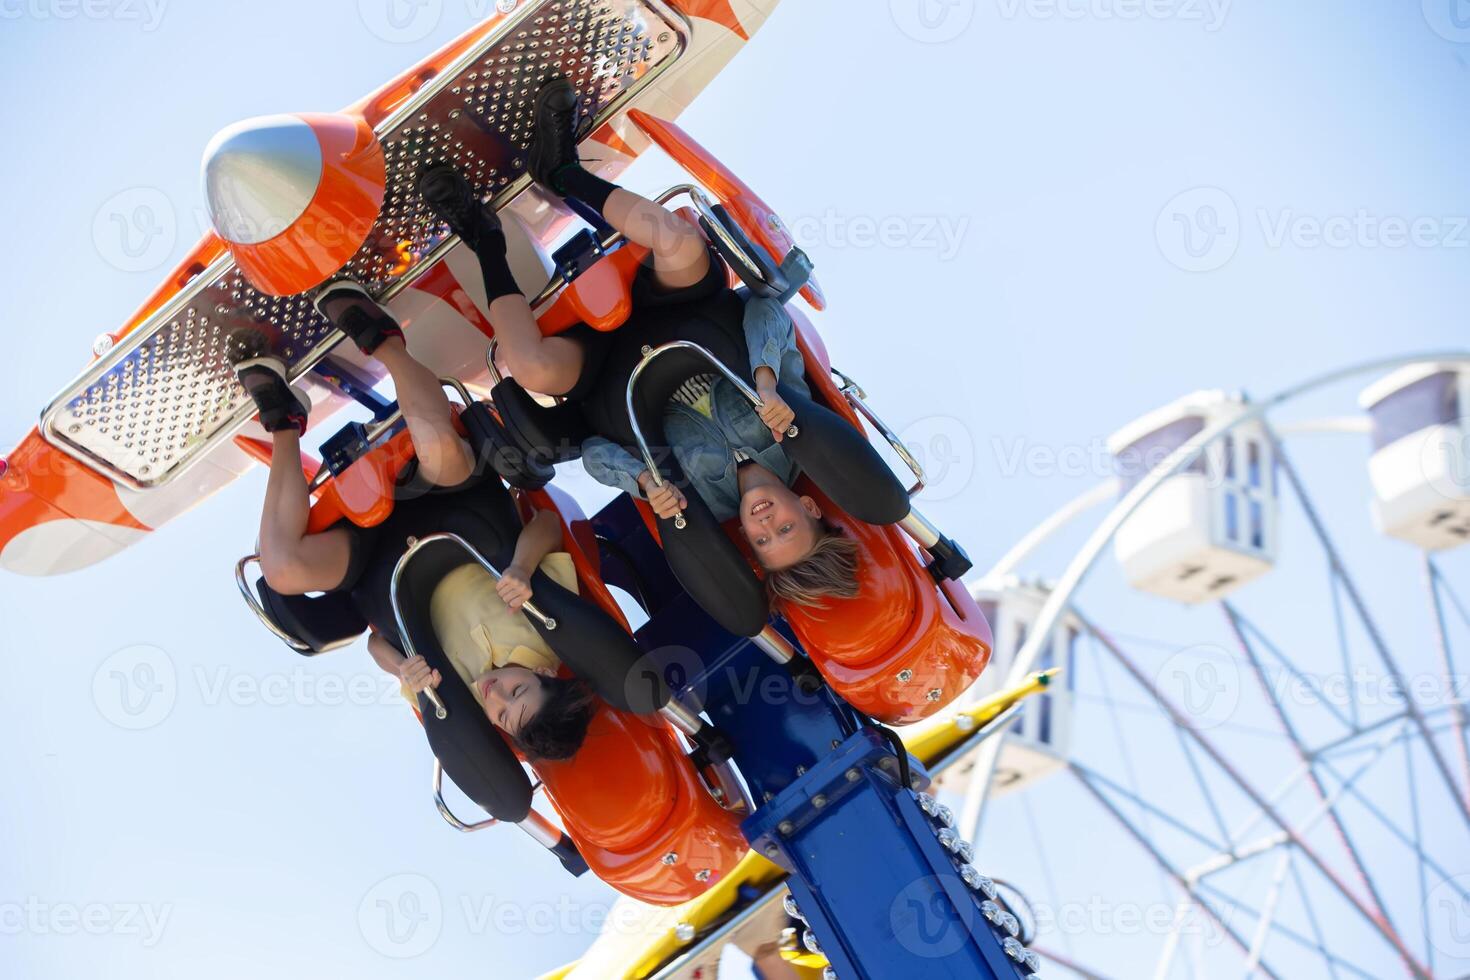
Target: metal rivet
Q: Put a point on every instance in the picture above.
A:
(819, 801)
(684, 932)
(786, 827)
(703, 875)
(905, 675)
(670, 859)
(853, 775)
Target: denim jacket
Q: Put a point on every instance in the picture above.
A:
(706, 447)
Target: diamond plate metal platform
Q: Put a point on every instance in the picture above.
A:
(165, 395)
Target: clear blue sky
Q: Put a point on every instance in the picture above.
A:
(990, 196)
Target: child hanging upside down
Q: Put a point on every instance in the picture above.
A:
(506, 663)
(729, 450)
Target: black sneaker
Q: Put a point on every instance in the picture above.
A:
(450, 196)
(352, 310)
(554, 132)
(263, 375)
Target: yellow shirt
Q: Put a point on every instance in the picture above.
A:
(477, 629)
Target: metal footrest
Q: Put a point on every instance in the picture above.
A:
(166, 395)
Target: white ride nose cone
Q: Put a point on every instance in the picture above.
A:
(260, 175)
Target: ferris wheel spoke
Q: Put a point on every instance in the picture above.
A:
(1319, 939)
(1379, 924)
(1370, 626)
(1168, 867)
(1393, 828)
(1318, 945)
(1334, 588)
(1240, 623)
(1203, 784)
(1084, 772)
(1419, 848)
(1447, 664)
(1328, 805)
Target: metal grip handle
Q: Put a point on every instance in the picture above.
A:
(440, 711)
(649, 356)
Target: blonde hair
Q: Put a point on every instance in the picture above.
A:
(829, 569)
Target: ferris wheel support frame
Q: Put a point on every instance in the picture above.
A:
(1076, 573)
(1432, 580)
(1267, 807)
(1059, 600)
(1304, 755)
(1460, 794)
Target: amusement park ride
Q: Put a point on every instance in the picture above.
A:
(821, 823)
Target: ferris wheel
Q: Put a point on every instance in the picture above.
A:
(1255, 760)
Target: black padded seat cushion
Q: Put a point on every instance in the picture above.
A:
(548, 434)
(772, 283)
(473, 751)
(318, 621)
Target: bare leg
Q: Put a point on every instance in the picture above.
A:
(444, 457)
(680, 253)
(549, 365)
(293, 561)
(552, 365)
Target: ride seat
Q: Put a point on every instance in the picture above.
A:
(639, 813)
(629, 798)
(905, 646)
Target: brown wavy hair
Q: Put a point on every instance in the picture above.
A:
(828, 571)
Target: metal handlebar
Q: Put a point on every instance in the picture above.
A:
(250, 600)
(253, 602)
(536, 826)
(857, 398)
(417, 545)
(448, 814)
(649, 356)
